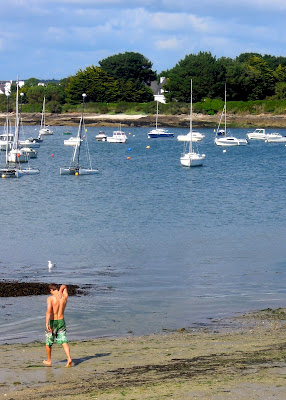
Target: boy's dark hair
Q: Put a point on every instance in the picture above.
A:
(53, 286)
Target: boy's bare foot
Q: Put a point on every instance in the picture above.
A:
(47, 363)
(69, 364)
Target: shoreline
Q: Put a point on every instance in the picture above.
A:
(243, 357)
(140, 120)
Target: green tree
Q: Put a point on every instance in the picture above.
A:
(273, 62)
(280, 91)
(201, 69)
(129, 66)
(261, 78)
(280, 73)
(245, 57)
(34, 94)
(102, 88)
(32, 82)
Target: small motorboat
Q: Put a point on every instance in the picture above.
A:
(101, 137)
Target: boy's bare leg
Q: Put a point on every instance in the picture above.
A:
(48, 361)
(67, 351)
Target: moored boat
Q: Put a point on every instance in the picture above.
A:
(101, 137)
(159, 132)
(194, 136)
(117, 137)
(190, 158)
(75, 167)
(222, 138)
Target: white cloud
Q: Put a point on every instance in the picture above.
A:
(168, 44)
(96, 29)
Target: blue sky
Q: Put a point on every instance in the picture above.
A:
(49, 39)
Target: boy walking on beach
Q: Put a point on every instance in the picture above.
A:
(55, 323)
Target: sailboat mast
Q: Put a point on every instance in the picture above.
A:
(225, 109)
(78, 144)
(157, 114)
(44, 112)
(191, 119)
(7, 128)
(16, 137)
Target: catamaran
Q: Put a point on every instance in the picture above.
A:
(75, 167)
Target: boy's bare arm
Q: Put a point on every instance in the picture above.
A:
(63, 291)
(48, 314)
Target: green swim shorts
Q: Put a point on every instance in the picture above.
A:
(58, 333)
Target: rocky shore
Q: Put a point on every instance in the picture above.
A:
(239, 358)
(199, 120)
(19, 289)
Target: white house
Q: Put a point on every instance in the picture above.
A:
(158, 90)
(5, 87)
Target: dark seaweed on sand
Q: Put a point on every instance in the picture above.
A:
(17, 289)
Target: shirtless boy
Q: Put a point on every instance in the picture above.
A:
(55, 323)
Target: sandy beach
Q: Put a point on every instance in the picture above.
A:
(240, 358)
(199, 120)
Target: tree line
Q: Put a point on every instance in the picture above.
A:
(125, 78)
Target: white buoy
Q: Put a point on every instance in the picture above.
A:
(224, 151)
(51, 265)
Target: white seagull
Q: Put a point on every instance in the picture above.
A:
(51, 265)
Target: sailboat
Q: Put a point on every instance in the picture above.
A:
(7, 135)
(191, 158)
(8, 171)
(159, 132)
(17, 155)
(221, 138)
(44, 130)
(75, 168)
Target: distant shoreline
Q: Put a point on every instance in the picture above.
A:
(140, 120)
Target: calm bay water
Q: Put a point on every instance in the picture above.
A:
(161, 246)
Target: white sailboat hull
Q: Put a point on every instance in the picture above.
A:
(45, 131)
(9, 173)
(191, 136)
(192, 159)
(78, 171)
(28, 171)
(86, 171)
(160, 132)
(230, 141)
(72, 141)
(29, 143)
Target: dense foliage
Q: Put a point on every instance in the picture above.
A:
(129, 66)
(101, 87)
(120, 83)
(250, 76)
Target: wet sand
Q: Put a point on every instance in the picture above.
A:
(199, 120)
(240, 358)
